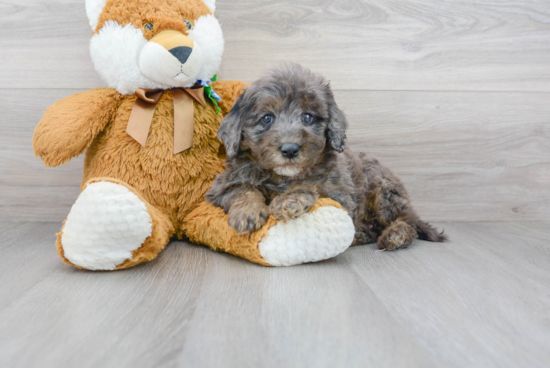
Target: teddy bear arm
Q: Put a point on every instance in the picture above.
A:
(229, 91)
(70, 125)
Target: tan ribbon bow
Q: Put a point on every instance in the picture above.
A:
(184, 115)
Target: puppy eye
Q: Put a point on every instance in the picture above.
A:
(307, 118)
(188, 24)
(267, 119)
(148, 26)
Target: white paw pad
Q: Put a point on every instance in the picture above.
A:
(106, 224)
(312, 237)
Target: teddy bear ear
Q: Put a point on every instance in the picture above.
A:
(94, 8)
(211, 4)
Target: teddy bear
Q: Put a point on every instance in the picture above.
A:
(151, 151)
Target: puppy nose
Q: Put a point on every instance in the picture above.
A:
(290, 150)
(182, 53)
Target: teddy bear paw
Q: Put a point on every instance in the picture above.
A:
(315, 236)
(105, 225)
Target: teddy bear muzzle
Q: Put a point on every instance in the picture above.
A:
(171, 58)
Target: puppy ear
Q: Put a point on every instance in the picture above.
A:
(230, 132)
(337, 125)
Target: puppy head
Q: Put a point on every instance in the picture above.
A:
(285, 121)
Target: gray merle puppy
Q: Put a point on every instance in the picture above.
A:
(285, 140)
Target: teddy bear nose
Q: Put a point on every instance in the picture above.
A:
(290, 150)
(182, 53)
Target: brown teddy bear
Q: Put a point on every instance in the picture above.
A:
(151, 146)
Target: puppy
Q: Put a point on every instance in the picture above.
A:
(285, 140)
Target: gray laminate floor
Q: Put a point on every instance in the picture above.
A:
(482, 300)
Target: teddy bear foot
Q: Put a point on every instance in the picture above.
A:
(324, 232)
(321, 234)
(107, 227)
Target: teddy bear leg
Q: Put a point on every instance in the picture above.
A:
(111, 227)
(324, 232)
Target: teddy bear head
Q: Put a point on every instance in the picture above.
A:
(154, 44)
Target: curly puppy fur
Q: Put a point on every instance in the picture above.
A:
(285, 140)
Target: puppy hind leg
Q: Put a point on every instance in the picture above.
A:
(400, 223)
(397, 235)
(390, 208)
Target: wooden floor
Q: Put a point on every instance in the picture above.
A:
(482, 300)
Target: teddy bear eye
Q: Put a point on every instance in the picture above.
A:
(148, 26)
(188, 24)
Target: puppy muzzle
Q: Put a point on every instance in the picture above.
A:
(171, 58)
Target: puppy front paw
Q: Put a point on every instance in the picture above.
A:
(248, 219)
(288, 207)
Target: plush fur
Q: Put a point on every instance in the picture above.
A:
(120, 39)
(286, 140)
(130, 184)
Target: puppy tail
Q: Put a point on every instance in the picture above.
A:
(428, 232)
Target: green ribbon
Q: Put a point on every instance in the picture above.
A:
(210, 94)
